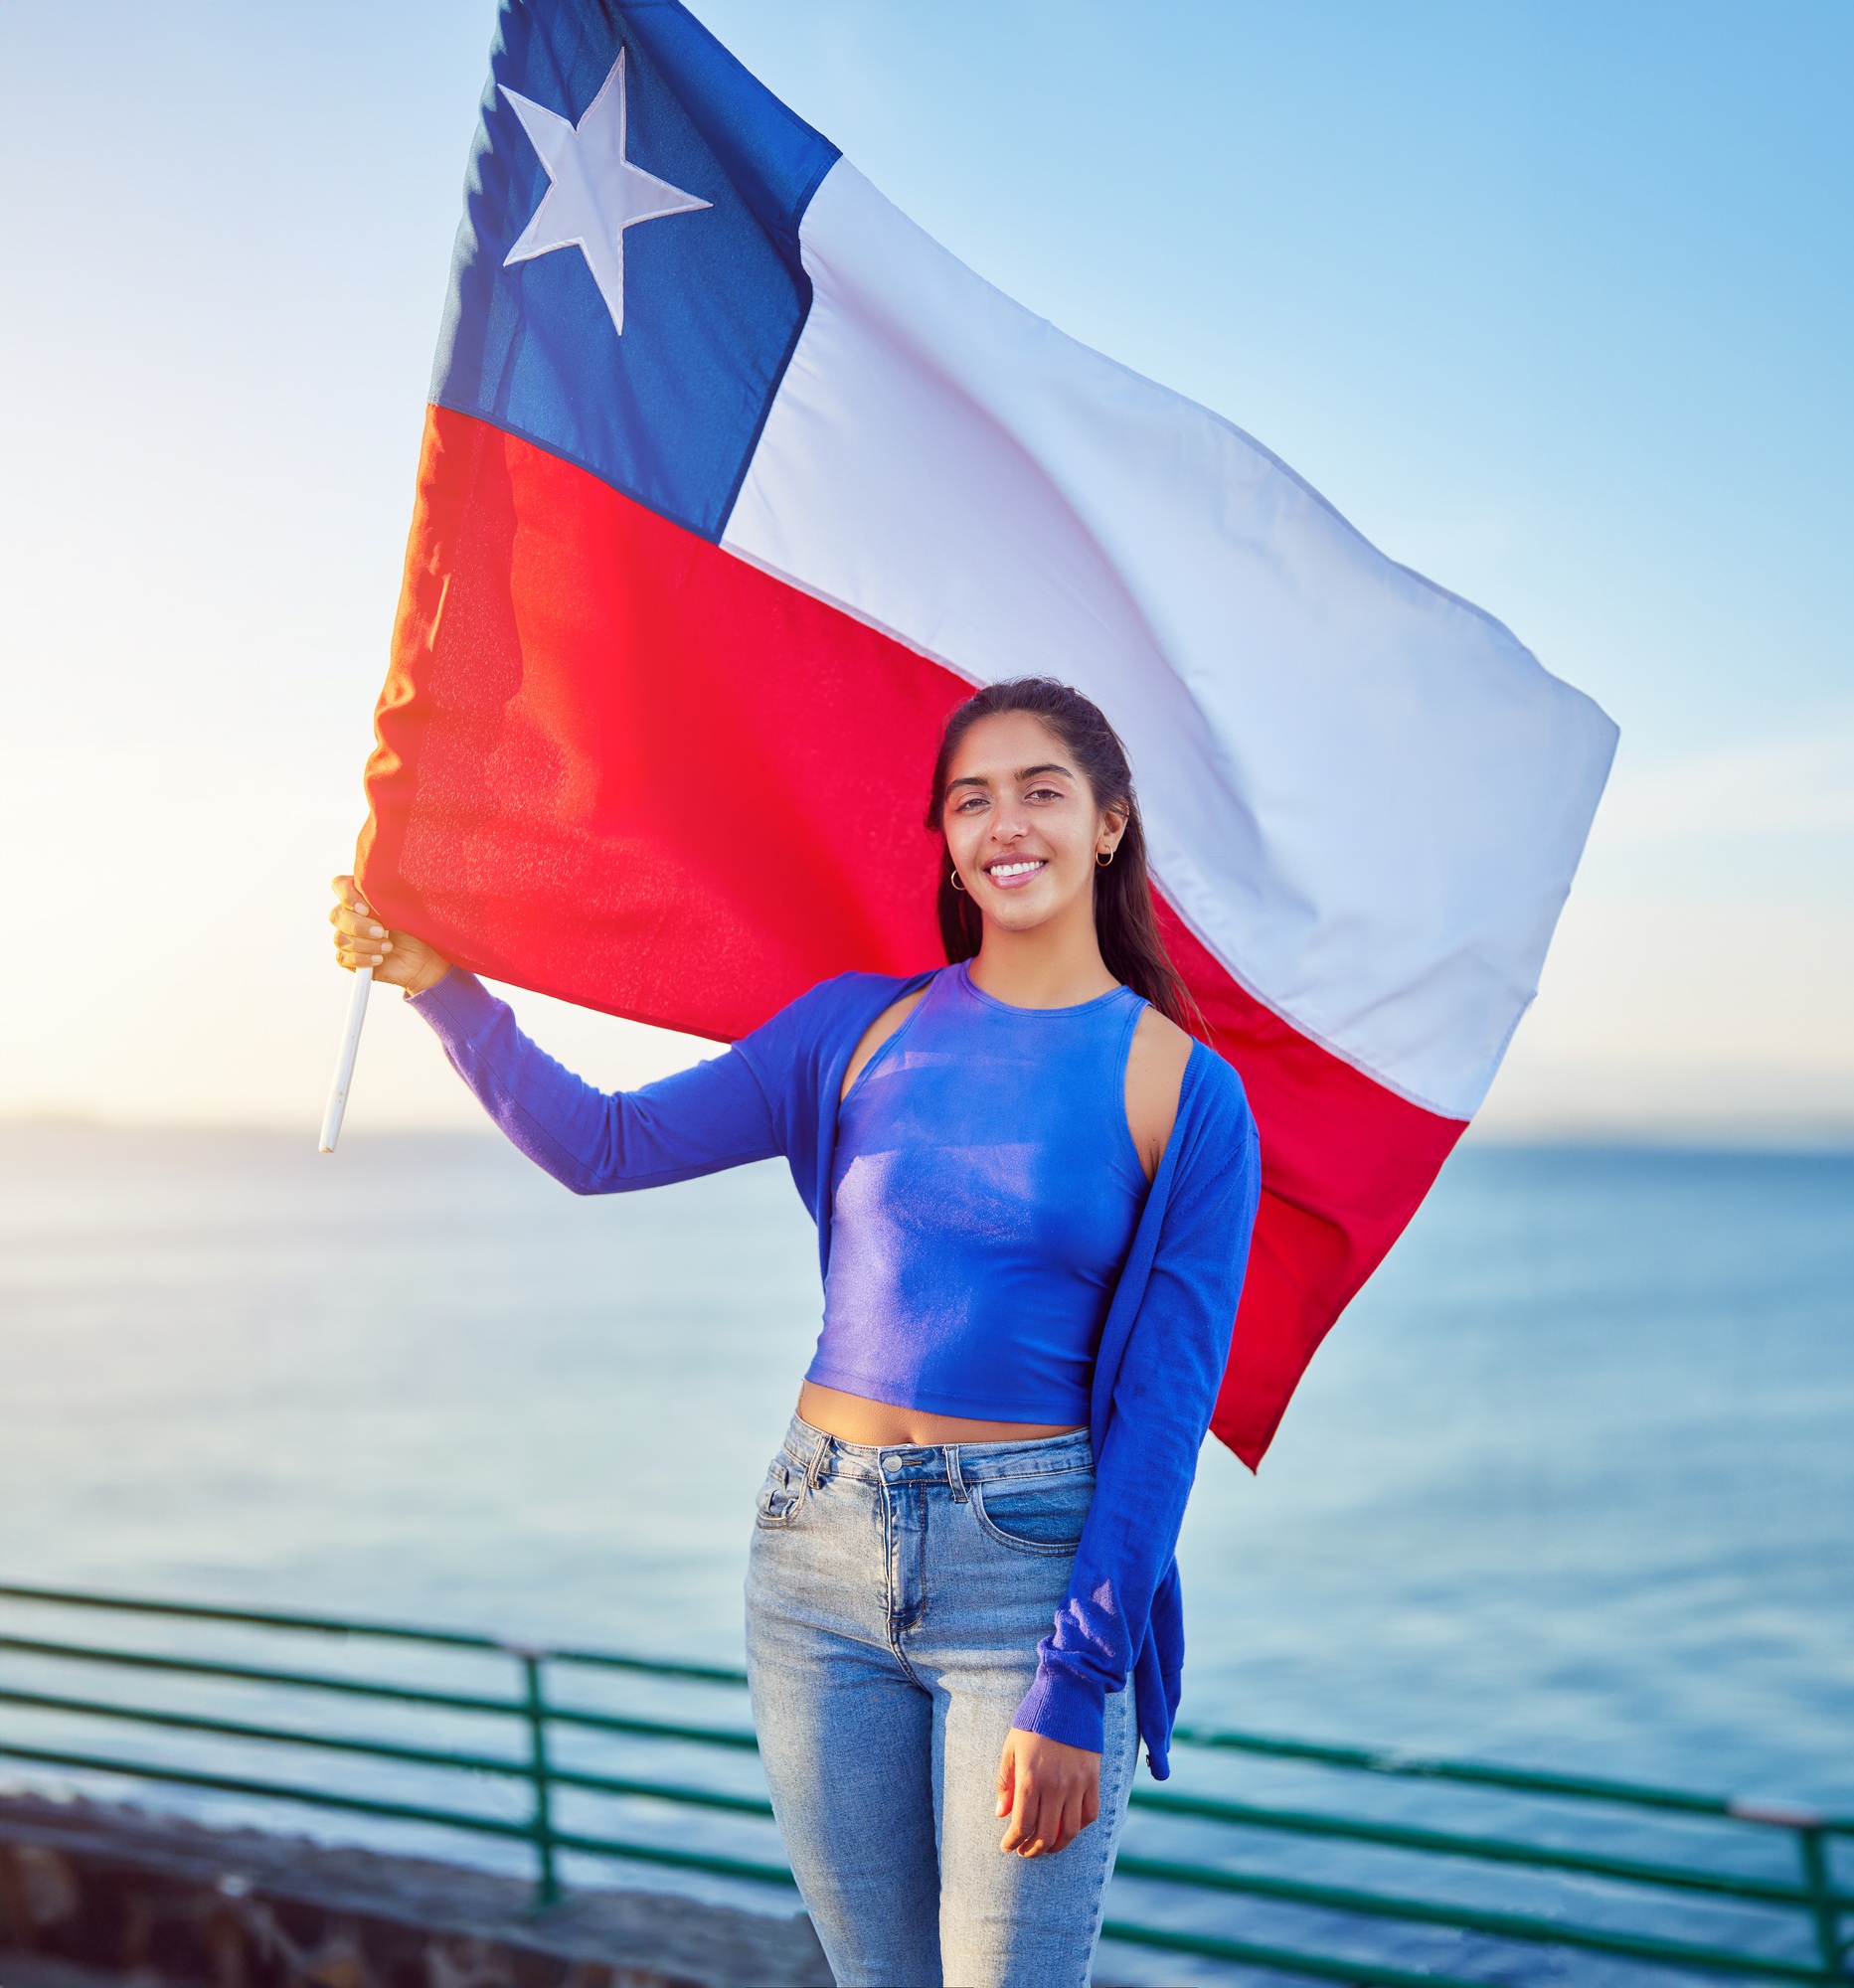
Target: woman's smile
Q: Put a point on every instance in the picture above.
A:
(1014, 870)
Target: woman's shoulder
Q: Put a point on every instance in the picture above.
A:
(1156, 1062)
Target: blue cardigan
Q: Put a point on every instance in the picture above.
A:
(1162, 1350)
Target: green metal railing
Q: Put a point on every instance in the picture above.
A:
(1812, 1905)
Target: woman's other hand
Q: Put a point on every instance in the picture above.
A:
(1050, 1791)
(396, 959)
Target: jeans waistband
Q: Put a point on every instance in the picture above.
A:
(955, 1463)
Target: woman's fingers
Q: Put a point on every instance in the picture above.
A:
(1063, 1818)
(370, 939)
(1051, 1791)
(351, 919)
(1035, 1818)
(366, 934)
(1052, 1825)
(1025, 1796)
(360, 938)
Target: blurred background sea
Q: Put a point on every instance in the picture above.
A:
(1570, 1486)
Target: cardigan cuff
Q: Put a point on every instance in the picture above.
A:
(1062, 1703)
(457, 1008)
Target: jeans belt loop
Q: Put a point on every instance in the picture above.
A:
(814, 1464)
(952, 1473)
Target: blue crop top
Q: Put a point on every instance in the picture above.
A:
(984, 1190)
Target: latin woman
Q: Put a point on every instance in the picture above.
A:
(1034, 1192)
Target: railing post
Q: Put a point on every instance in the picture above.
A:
(547, 1887)
(1813, 1841)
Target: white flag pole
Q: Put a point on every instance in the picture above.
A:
(344, 1063)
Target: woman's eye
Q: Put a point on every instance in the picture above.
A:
(1044, 795)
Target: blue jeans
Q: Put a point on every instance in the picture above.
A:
(895, 1599)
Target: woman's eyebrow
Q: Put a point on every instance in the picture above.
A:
(1024, 773)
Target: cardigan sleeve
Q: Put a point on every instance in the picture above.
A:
(698, 1122)
(1164, 1395)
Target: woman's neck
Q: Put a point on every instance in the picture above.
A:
(1056, 966)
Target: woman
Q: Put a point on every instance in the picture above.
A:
(1034, 1194)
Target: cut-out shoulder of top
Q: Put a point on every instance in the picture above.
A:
(878, 1033)
(1155, 1072)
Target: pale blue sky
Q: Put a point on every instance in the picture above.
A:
(1552, 300)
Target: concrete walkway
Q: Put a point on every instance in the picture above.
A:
(38, 1970)
(116, 1898)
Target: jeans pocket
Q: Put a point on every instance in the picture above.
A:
(1035, 1515)
(780, 1495)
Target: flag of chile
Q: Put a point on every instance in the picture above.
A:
(734, 483)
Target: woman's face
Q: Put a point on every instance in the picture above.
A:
(1021, 824)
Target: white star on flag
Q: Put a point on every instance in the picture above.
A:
(595, 193)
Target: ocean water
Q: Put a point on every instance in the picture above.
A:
(1570, 1486)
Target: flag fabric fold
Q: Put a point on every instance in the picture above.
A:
(734, 483)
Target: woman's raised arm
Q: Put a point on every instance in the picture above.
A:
(698, 1122)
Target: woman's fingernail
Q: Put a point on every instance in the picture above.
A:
(387, 947)
(375, 932)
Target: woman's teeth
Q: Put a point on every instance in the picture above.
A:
(1007, 870)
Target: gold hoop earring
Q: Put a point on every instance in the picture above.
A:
(956, 885)
(1103, 862)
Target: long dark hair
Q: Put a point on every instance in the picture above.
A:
(1126, 923)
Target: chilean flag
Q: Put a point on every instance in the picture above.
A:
(734, 483)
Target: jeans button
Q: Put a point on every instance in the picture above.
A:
(892, 1464)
